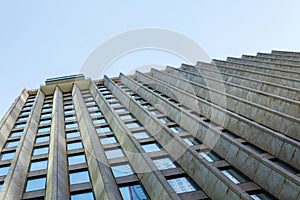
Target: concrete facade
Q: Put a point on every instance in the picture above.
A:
(221, 130)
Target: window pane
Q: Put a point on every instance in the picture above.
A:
(48, 121)
(79, 177)
(165, 120)
(74, 145)
(38, 165)
(191, 141)
(133, 125)
(108, 140)
(121, 170)
(181, 185)
(35, 184)
(20, 125)
(12, 144)
(4, 170)
(72, 125)
(141, 135)
(39, 151)
(77, 159)
(176, 129)
(99, 121)
(125, 117)
(234, 176)
(164, 163)
(86, 195)
(104, 129)
(133, 192)
(16, 134)
(73, 134)
(44, 130)
(151, 147)
(115, 153)
(7, 156)
(42, 139)
(210, 156)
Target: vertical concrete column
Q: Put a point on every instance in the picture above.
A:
(57, 176)
(103, 182)
(9, 119)
(153, 181)
(13, 186)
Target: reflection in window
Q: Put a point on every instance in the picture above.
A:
(77, 159)
(151, 147)
(164, 163)
(181, 185)
(108, 140)
(104, 129)
(74, 145)
(121, 170)
(210, 156)
(12, 144)
(73, 134)
(71, 125)
(114, 153)
(133, 125)
(85, 195)
(35, 184)
(16, 134)
(4, 170)
(125, 117)
(191, 141)
(235, 176)
(44, 129)
(40, 151)
(79, 177)
(141, 135)
(175, 129)
(38, 165)
(7, 156)
(42, 139)
(133, 192)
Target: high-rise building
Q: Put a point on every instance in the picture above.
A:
(221, 130)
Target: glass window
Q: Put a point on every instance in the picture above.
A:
(45, 115)
(70, 118)
(175, 129)
(235, 176)
(141, 101)
(135, 192)
(77, 159)
(44, 110)
(35, 184)
(38, 165)
(42, 139)
(22, 125)
(4, 170)
(96, 114)
(261, 196)
(7, 156)
(71, 125)
(164, 163)
(44, 129)
(47, 121)
(191, 141)
(79, 177)
(74, 145)
(114, 153)
(165, 120)
(151, 147)
(147, 105)
(99, 121)
(120, 110)
(181, 185)
(133, 125)
(141, 135)
(85, 195)
(16, 133)
(12, 144)
(155, 112)
(69, 112)
(108, 140)
(70, 106)
(73, 134)
(104, 129)
(210, 156)
(22, 119)
(121, 170)
(125, 117)
(40, 151)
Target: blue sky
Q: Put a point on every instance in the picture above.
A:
(42, 39)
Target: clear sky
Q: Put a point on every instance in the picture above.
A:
(42, 39)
